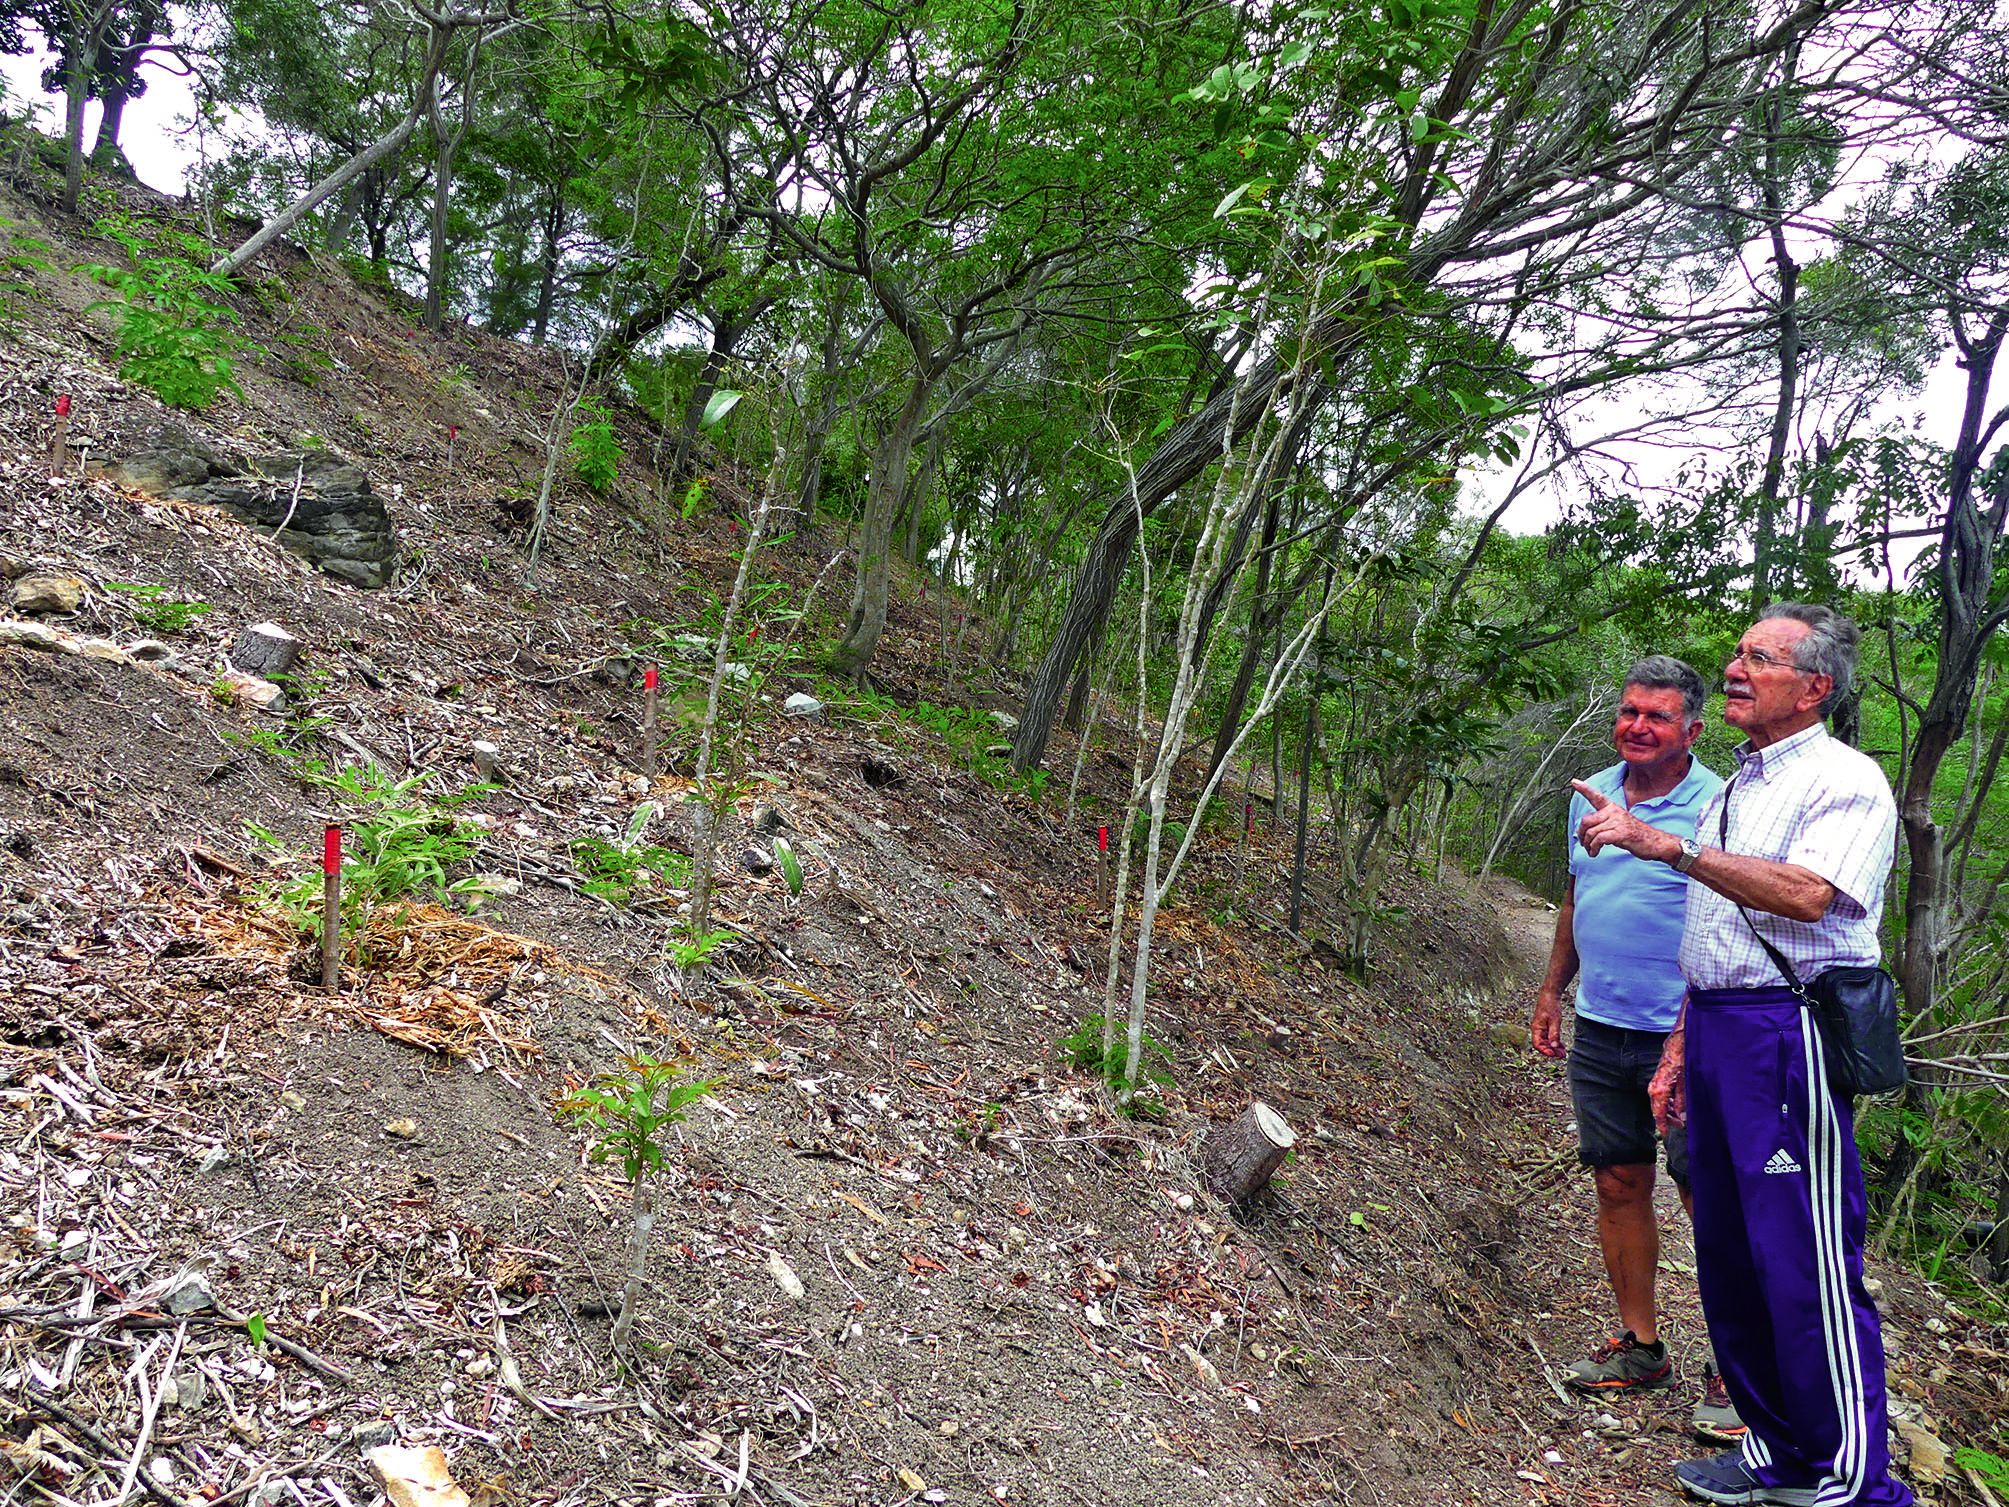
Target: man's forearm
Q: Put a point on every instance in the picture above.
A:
(1778, 889)
(1563, 962)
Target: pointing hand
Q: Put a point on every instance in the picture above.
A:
(1610, 824)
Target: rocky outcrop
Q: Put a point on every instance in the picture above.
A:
(335, 521)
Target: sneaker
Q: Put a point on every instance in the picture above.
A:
(1726, 1478)
(1715, 1416)
(1623, 1364)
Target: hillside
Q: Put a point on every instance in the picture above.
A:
(904, 1251)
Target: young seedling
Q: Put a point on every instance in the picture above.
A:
(629, 1109)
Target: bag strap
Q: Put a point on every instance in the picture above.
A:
(1778, 958)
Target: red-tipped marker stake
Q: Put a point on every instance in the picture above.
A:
(59, 446)
(1102, 865)
(648, 760)
(331, 908)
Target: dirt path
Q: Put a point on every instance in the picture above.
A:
(1613, 1450)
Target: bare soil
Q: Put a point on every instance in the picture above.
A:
(905, 1252)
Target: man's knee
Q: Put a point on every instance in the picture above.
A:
(1621, 1187)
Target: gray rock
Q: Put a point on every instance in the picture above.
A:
(337, 522)
(757, 861)
(485, 757)
(174, 459)
(802, 704)
(44, 594)
(151, 651)
(188, 1391)
(36, 636)
(768, 820)
(192, 1296)
(377, 1432)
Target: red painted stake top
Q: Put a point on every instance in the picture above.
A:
(452, 433)
(649, 678)
(331, 850)
(1249, 815)
(63, 406)
(1102, 839)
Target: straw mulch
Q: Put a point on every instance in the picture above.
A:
(420, 974)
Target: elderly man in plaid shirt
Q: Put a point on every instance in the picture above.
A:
(1798, 846)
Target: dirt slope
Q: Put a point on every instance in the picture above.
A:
(904, 1252)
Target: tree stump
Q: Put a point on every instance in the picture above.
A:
(1241, 1156)
(265, 649)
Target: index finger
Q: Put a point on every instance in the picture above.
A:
(1597, 798)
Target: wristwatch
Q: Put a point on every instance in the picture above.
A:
(1690, 851)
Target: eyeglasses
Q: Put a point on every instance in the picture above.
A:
(1758, 659)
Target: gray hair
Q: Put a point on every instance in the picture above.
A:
(1828, 649)
(1663, 672)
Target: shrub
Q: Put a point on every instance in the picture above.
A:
(596, 454)
(175, 334)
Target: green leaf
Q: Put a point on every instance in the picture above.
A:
(254, 1325)
(722, 403)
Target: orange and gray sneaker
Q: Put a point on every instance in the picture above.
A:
(1715, 1416)
(1623, 1365)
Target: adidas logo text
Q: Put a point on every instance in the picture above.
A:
(1782, 1163)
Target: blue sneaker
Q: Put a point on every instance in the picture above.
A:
(1726, 1478)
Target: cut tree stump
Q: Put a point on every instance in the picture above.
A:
(265, 649)
(1241, 1156)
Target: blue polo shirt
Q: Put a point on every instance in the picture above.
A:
(1629, 910)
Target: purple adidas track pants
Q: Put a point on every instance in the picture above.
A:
(1779, 1223)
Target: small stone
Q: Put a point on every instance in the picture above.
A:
(103, 650)
(784, 1276)
(803, 705)
(150, 651)
(213, 1159)
(240, 689)
(293, 1101)
(480, 1366)
(950, 1428)
(768, 820)
(270, 1492)
(757, 861)
(404, 1128)
(373, 1433)
(190, 1391)
(911, 1481)
(36, 636)
(11, 566)
(192, 1295)
(45, 594)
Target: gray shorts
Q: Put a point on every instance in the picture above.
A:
(1610, 1068)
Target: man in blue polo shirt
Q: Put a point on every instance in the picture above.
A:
(1619, 937)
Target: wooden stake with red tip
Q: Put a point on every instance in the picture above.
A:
(1102, 866)
(331, 909)
(648, 758)
(59, 445)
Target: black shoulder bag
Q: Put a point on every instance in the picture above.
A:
(1853, 1007)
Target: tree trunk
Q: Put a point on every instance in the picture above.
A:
(1765, 561)
(547, 282)
(866, 621)
(80, 61)
(446, 147)
(385, 146)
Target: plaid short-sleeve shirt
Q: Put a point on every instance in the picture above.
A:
(1807, 800)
